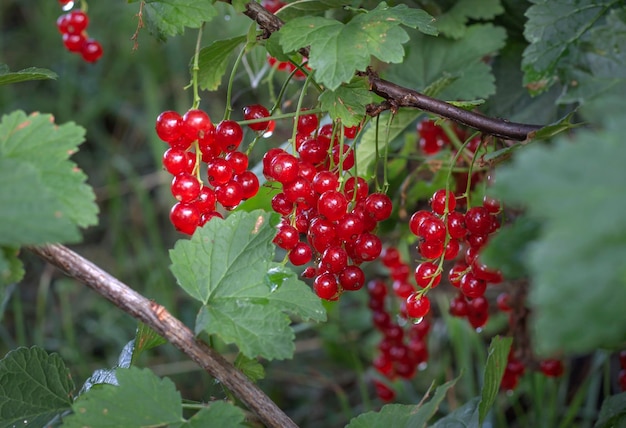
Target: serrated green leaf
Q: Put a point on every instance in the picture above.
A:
(348, 101)
(453, 23)
(459, 61)
(578, 280)
(11, 269)
(612, 412)
(403, 415)
(213, 61)
(219, 414)
(145, 338)
(34, 388)
(337, 50)
(170, 17)
(497, 357)
(250, 367)
(225, 265)
(555, 29)
(309, 7)
(33, 73)
(140, 400)
(46, 187)
(507, 249)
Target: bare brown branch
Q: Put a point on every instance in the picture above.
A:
(158, 318)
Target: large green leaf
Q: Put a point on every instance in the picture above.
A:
(227, 265)
(32, 73)
(213, 60)
(497, 357)
(43, 195)
(613, 412)
(337, 50)
(578, 278)
(555, 30)
(170, 17)
(453, 23)
(403, 415)
(141, 399)
(34, 388)
(348, 101)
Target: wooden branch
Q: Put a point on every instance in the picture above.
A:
(159, 319)
(396, 95)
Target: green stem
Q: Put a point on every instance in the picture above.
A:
(195, 69)
(387, 135)
(376, 183)
(231, 81)
(298, 111)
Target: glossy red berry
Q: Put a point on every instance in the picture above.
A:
(256, 111)
(431, 249)
(551, 367)
(228, 135)
(205, 202)
(229, 194)
(456, 225)
(238, 161)
(471, 286)
(368, 247)
(478, 221)
(417, 218)
(385, 393)
(307, 123)
(426, 274)
(326, 286)
(176, 161)
(219, 171)
(432, 229)
(195, 124)
(169, 126)
(440, 200)
(300, 254)
(324, 181)
(379, 206)
(249, 183)
(417, 305)
(284, 168)
(334, 259)
(185, 217)
(185, 187)
(91, 50)
(287, 237)
(73, 42)
(351, 278)
(332, 204)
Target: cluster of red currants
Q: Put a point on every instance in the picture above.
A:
(328, 216)
(229, 180)
(401, 351)
(288, 67)
(73, 27)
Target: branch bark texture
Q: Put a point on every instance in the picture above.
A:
(399, 96)
(172, 329)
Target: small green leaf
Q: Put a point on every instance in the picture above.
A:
(219, 414)
(11, 270)
(43, 195)
(213, 61)
(453, 23)
(497, 357)
(465, 416)
(337, 50)
(34, 388)
(145, 339)
(140, 400)
(570, 188)
(348, 101)
(403, 415)
(612, 412)
(250, 367)
(227, 265)
(170, 17)
(33, 73)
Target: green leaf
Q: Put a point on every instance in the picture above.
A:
(578, 278)
(453, 23)
(141, 400)
(497, 357)
(555, 30)
(507, 250)
(34, 388)
(403, 415)
(612, 412)
(337, 50)
(145, 339)
(43, 195)
(460, 62)
(170, 17)
(465, 416)
(348, 101)
(33, 73)
(309, 7)
(227, 265)
(213, 61)
(250, 367)
(219, 414)
(11, 269)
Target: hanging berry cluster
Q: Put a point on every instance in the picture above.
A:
(73, 27)
(401, 351)
(229, 180)
(328, 217)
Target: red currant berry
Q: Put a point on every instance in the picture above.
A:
(417, 305)
(91, 51)
(74, 42)
(229, 194)
(334, 259)
(471, 286)
(284, 168)
(208, 216)
(332, 205)
(272, 6)
(349, 227)
(503, 301)
(324, 181)
(478, 221)
(219, 171)
(368, 247)
(458, 306)
(351, 131)
(361, 188)
(185, 187)
(238, 161)
(432, 229)
(417, 218)
(456, 273)
(195, 124)
(185, 217)
(312, 151)
(492, 205)
(426, 274)
(321, 233)
(281, 204)
(377, 289)
(169, 126)
(379, 206)
(430, 249)
(402, 289)
(551, 368)
(299, 191)
(306, 170)
(452, 249)
(351, 278)
(300, 254)
(326, 286)
(228, 135)
(307, 123)
(287, 237)
(344, 155)
(390, 257)
(456, 225)
(249, 183)
(206, 200)
(256, 111)
(75, 23)
(176, 161)
(385, 393)
(440, 200)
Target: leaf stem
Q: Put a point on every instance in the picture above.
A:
(195, 69)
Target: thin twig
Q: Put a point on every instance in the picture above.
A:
(399, 96)
(159, 319)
